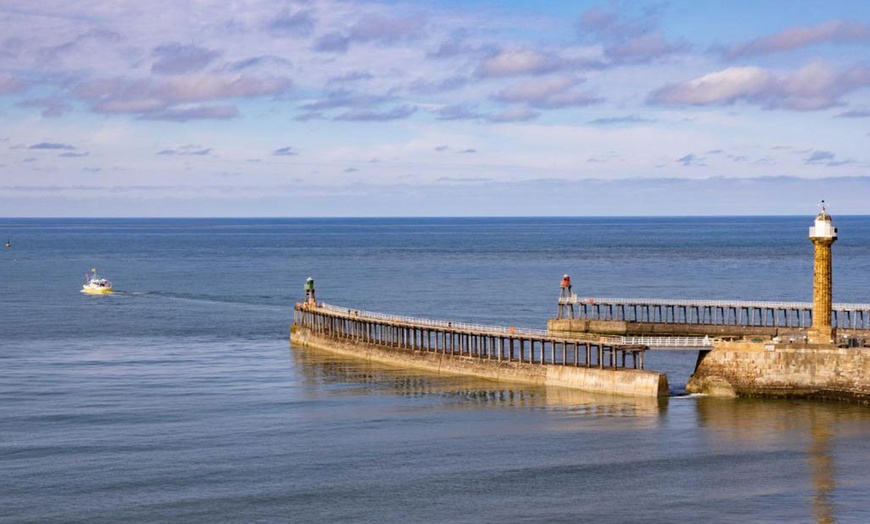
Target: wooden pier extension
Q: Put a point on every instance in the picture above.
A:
(500, 353)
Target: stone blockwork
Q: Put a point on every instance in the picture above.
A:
(630, 382)
(585, 328)
(783, 370)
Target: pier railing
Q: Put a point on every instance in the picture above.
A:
(463, 326)
(497, 343)
(797, 315)
(612, 340)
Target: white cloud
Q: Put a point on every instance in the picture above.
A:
(211, 87)
(518, 62)
(298, 23)
(834, 32)
(814, 86)
(628, 39)
(552, 92)
(370, 115)
(380, 28)
(719, 87)
(194, 112)
(514, 114)
(644, 48)
(146, 96)
(177, 58)
(533, 96)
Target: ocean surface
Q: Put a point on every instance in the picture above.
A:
(180, 399)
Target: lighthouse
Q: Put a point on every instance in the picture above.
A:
(822, 234)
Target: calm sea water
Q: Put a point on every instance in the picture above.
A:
(179, 398)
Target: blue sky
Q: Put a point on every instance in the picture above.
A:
(428, 108)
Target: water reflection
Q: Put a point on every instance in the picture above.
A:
(783, 425)
(321, 368)
(822, 468)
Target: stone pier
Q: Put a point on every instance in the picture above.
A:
(504, 354)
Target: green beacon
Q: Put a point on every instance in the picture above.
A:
(310, 298)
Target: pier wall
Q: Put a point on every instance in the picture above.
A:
(783, 370)
(630, 382)
(569, 326)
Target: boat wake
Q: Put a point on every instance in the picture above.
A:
(261, 301)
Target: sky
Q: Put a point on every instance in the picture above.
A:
(342, 108)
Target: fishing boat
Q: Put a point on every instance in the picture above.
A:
(95, 285)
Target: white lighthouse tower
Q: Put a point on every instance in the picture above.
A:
(822, 234)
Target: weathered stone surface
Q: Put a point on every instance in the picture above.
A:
(821, 331)
(583, 328)
(784, 370)
(630, 382)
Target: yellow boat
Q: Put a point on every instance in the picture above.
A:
(95, 285)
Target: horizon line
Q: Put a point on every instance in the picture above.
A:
(388, 217)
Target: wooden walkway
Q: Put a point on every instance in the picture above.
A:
(491, 343)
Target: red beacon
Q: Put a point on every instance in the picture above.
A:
(565, 291)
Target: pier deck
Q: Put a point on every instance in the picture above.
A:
(471, 340)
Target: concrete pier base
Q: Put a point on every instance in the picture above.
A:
(628, 382)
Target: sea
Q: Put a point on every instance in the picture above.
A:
(179, 398)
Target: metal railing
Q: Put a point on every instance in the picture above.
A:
(797, 315)
(651, 342)
(426, 322)
(574, 299)
(669, 342)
